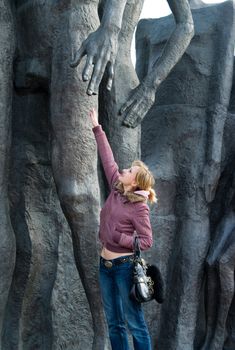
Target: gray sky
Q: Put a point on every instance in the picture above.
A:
(156, 9)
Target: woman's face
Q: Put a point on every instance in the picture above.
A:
(127, 176)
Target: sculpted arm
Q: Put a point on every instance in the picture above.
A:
(100, 47)
(143, 96)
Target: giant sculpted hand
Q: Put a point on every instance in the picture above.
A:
(100, 47)
(140, 101)
(143, 96)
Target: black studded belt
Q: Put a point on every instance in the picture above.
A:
(117, 261)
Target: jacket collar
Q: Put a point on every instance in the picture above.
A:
(133, 197)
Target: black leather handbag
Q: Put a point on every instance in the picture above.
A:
(147, 280)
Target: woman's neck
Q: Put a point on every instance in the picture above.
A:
(127, 189)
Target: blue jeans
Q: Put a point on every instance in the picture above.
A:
(115, 284)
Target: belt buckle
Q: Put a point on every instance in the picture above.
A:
(108, 264)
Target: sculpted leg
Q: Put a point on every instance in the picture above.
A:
(191, 244)
(211, 302)
(189, 223)
(7, 239)
(74, 162)
(226, 281)
(33, 205)
(230, 341)
(220, 281)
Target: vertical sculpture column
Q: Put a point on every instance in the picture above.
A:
(7, 241)
(125, 142)
(220, 267)
(182, 141)
(48, 89)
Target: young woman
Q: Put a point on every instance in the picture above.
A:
(125, 213)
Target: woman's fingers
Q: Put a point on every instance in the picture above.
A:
(93, 116)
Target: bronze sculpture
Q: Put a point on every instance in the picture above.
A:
(49, 32)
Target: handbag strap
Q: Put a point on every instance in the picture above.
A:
(136, 248)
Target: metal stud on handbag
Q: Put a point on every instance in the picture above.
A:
(148, 283)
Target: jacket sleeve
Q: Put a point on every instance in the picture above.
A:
(142, 226)
(106, 156)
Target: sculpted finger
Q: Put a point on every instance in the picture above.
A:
(87, 71)
(137, 121)
(136, 113)
(129, 120)
(142, 111)
(78, 57)
(90, 89)
(110, 76)
(127, 105)
(125, 123)
(130, 116)
(97, 76)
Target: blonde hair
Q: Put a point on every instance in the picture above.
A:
(145, 180)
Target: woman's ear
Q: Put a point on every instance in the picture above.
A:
(134, 184)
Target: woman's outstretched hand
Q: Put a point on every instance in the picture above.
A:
(94, 118)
